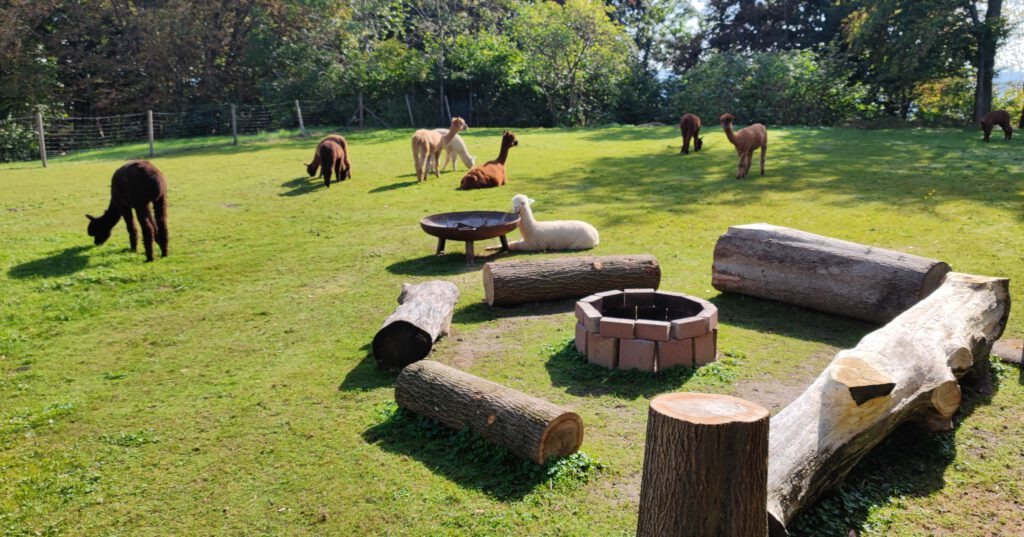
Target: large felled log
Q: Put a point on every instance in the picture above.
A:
(424, 314)
(517, 282)
(821, 273)
(529, 427)
(906, 370)
(705, 467)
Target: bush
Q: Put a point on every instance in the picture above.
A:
(17, 141)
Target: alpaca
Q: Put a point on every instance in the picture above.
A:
(746, 141)
(551, 235)
(134, 186)
(456, 147)
(332, 157)
(997, 117)
(491, 173)
(689, 126)
(340, 140)
(427, 145)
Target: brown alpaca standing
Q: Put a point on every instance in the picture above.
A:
(746, 141)
(340, 140)
(997, 117)
(492, 173)
(332, 157)
(134, 186)
(427, 146)
(689, 126)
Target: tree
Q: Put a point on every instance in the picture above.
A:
(988, 33)
(574, 54)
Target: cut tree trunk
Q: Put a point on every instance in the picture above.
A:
(517, 282)
(529, 427)
(424, 314)
(705, 467)
(906, 370)
(821, 273)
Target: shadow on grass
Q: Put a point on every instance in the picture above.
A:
(302, 185)
(392, 186)
(771, 317)
(569, 369)
(447, 264)
(367, 375)
(62, 263)
(911, 461)
(480, 312)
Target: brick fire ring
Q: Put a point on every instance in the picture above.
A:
(646, 329)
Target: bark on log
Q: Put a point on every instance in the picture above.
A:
(517, 282)
(906, 370)
(705, 467)
(821, 273)
(424, 314)
(529, 427)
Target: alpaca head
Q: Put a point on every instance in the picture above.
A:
(311, 169)
(458, 124)
(726, 118)
(508, 139)
(520, 201)
(698, 143)
(97, 230)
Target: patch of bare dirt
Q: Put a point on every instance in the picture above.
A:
(774, 394)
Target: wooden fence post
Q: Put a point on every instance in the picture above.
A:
(149, 125)
(705, 467)
(448, 108)
(298, 112)
(42, 137)
(234, 125)
(360, 110)
(412, 122)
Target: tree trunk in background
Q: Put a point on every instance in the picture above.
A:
(987, 33)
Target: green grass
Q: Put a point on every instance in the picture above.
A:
(228, 389)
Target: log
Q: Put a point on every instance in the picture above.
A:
(906, 370)
(821, 273)
(516, 282)
(705, 467)
(424, 314)
(529, 427)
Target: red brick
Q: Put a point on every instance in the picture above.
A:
(675, 352)
(710, 313)
(652, 330)
(617, 327)
(603, 351)
(610, 299)
(705, 348)
(636, 354)
(589, 316)
(638, 297)
(689, 327)
(593, 300)
(581, 339)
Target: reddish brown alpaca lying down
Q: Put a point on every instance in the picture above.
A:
(997, 117)
(312, 167)
(492, 173)
(134, 186)
(746, 141)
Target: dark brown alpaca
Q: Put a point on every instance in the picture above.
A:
(689, 126)
(134, 186)
(312, 167)
(332, 158)
(746, 141)
(997, 117)
(492, 173)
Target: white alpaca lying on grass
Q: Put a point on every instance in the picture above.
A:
(551, 235)
(456, 147)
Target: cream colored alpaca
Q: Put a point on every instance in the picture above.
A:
(551, 235)
(427, 145)
(746, 141)
(456, 148)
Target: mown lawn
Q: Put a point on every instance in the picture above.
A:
(228, 389)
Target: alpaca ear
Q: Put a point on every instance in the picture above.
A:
(90, 217)
(531, 201)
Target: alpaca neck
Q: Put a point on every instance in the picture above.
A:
(503, 154)
(728, 133)
(110, 217)
(526, 220)
(452, 131)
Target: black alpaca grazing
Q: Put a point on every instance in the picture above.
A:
(134, 186)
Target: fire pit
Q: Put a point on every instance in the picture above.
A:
(469, 226)
(646, 329)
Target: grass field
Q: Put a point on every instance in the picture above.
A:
(228, 389)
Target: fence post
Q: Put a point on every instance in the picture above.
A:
(412, 122)
(234, 125)
(361, 110)
(42, 137)
(298, 111)
(149, 124)
(448, 108)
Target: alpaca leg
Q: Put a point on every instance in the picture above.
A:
(133, 234)
(337, 170)
(437, 167)
(749, 162)
(764, 149)
(160, 213)
(987, 130)
(146, 222)
(685, 150)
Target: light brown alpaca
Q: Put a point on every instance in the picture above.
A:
(746, 141)
(492, 173)
(427, 145)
